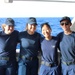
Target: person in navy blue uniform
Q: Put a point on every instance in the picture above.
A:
(49, 60)
(29, 48)
(8, 43)
(67, 47)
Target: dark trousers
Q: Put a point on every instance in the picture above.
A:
(8, 69)
(28, 68)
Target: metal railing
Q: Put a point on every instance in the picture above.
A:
(66, 1)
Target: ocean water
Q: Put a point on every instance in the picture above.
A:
(21, 23)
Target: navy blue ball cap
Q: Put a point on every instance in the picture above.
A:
(32, 20)
(65, 18)
(10, 21)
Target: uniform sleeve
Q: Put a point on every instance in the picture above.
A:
(19, 35)
(59, 39)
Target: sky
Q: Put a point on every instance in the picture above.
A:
(36, 9)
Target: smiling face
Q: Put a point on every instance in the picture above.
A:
(8, 29)
(46, 31)
(31, 28)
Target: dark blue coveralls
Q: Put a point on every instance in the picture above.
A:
(49, 61)
(67, 48)
(8, 53)
(29, 47)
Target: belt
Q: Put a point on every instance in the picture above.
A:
(48, 64)
(68, 63)
(4, 58)
(29, 58)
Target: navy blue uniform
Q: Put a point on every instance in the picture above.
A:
(29, 47)
(67, 48)
(8, 43)
(49, 56)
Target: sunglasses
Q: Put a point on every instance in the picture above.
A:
(64, 23)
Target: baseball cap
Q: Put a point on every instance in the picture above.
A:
(65, 18)
(10, 21)
(32, 20)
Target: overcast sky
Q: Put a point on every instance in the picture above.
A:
(36, 9)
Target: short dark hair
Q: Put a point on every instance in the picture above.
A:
(46, 23)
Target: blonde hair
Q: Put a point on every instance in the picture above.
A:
(3, 25)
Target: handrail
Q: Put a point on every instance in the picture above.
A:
(65, 1)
